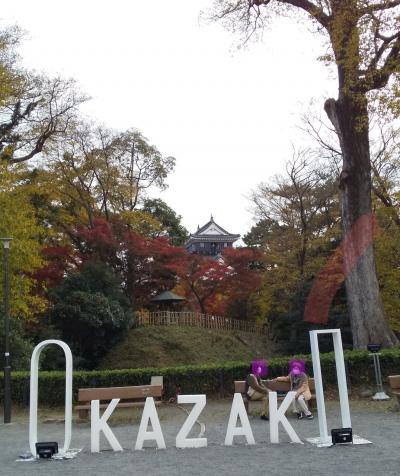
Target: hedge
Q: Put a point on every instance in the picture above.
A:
(193, 379)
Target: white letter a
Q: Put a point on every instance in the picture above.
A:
(149, 413)
(238, 410)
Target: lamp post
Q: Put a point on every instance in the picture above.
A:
(374, 351)
(7, 368)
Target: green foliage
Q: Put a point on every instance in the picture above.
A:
(171, 222)
(210, 379)
(96, 171)
(297, 231)
(387, 249)
(10, 79)
(18, 221)
(90, 312)
(289, 330)
(20, 344)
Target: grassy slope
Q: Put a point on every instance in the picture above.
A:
(172, 346)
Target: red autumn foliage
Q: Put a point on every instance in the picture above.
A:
(59, 260)
(140, 260)
(214, 284)
(148, 266)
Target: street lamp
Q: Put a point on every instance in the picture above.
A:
(374, 351)
(7, 368)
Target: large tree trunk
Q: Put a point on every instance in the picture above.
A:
(349, 116)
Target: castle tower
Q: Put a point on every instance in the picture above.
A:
(210, 240)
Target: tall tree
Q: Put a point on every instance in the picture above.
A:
(214, 284)
(298, 215)
(90, 311)
(303, 202)
(200, 277)
(18, 221)
(9, 74)
(142, 262)
(37, 113)
(34, 109)
(170, 221)
(364, 37)
(98, 171)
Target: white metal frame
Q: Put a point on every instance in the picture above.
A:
(341, 378)
(34, 394)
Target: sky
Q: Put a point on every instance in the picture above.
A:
(229, 115)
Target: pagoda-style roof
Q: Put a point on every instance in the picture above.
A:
(167, 296)
(212, 232)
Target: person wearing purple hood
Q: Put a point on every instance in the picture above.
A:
(298, 383)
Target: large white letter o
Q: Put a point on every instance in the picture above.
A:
(33, 406)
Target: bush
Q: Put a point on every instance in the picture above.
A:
(209, 379)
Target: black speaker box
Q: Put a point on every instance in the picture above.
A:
(342, 435)
(46, 449)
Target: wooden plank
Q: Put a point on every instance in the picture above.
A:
(120, 405)
(140, 391)
(394, 381)
(240, 386)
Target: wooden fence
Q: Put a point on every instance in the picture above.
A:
(195, 319)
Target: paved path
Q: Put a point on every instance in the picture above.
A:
(372, 421)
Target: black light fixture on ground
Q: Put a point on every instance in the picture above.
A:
(374, 351)
(46, 449)
(6, 298)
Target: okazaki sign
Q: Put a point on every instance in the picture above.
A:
(238, 423)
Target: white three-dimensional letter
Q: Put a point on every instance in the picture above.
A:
(181, 438)
(100, 424)
(278, 415)
(238, 410)
(150, 413)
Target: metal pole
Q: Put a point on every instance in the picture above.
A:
(380, 394)
(374, 356)
(378, 366)
(7, 368)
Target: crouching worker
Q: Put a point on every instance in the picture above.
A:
(298, 383)
(256, 388)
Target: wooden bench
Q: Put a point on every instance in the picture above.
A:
(394, 382)
(281, 387)
(133, 396)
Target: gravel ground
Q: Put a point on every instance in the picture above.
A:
(373, 420)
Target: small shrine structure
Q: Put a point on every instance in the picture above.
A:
(210, 240)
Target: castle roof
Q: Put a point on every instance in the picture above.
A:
(211, 232)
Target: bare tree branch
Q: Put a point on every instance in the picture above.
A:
(377, 78)
(377, 7)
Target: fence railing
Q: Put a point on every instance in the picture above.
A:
(195, 319)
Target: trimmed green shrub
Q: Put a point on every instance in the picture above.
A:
(209, 379)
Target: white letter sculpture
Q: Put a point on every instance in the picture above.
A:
(150, 413)
(33, 406)
(324, 438)
(98, 424)
(181, 438)
(278, 415)
(238, 410)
